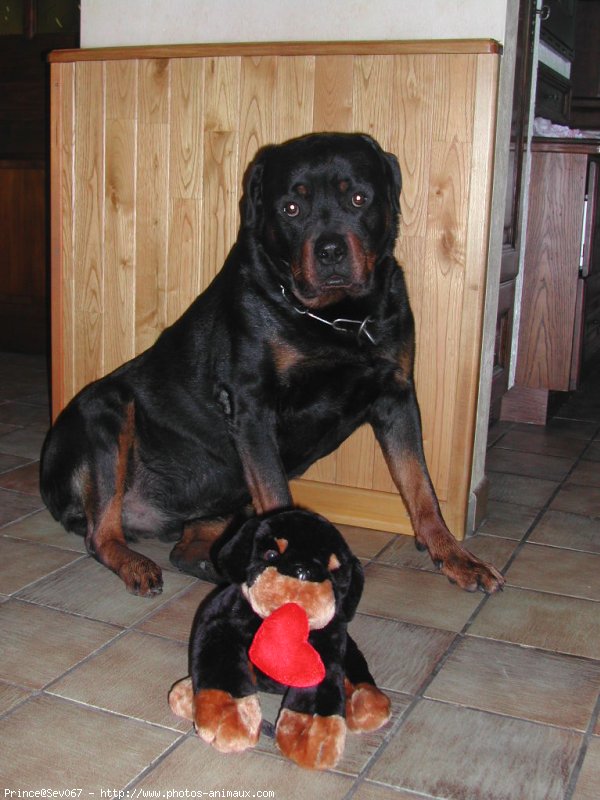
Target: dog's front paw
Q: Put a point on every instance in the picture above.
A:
(469, 572)
(141, 576)
(367, 708)
(230, 724)
(310, 740)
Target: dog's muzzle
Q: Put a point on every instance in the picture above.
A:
(331, 259)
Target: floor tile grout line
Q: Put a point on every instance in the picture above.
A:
(83, 704)
(26, 586)
(504, 715)
(529, 530)
(383, 745)
(587, 737)
(21, 519)
(149, 768)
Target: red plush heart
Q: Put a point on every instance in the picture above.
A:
(281, 649)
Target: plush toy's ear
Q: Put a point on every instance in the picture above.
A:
(356, 581)
(233, 557)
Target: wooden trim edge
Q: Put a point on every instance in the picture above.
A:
(392, 47)
(363, 508)
(57, 366)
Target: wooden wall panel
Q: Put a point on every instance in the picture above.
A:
(333, 100)
(120, 205)
(149, 155)
(294, 96)
(88, 224)
(221, 184)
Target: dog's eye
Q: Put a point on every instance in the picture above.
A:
(291, 209)
(358, 199)
(270, 555)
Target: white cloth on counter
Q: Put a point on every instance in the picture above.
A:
(545, 127)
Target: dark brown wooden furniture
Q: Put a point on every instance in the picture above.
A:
(559, 305)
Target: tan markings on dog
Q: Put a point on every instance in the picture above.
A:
(333, 563)
(311, 741)
(107, 541)
(362, 261)
(343, 186)
(285, 356)
(306, 270)
(196, 542)
(282, 545)
(181, 699)
(266, 496)
(457, 563)
(230, 724)
(404, 371)
(367, 708)
(271, 590)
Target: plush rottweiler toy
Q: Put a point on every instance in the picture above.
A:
(281, 626)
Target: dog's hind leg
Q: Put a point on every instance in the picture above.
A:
(191, 554)
(103, 503)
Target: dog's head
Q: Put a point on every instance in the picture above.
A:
(324, 208)
(298, 557)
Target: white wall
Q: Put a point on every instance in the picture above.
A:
(130, 22)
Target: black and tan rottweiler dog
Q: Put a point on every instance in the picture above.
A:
(305, 334)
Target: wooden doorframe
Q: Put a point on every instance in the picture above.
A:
(509, 269)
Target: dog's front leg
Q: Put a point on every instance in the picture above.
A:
(396, 421)
(258, 449)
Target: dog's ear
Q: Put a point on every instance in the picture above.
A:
(233, 557)
(251, 204)
(391, 167)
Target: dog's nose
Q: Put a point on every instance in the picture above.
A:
(330, 249)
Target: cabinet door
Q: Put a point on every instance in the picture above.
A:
(591, 237)
(552, 255)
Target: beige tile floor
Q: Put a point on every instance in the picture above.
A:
(493, 698)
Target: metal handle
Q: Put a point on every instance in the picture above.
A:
(544, 13)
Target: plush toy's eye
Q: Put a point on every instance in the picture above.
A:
(270, 555)
(359, 199)
(291, 209)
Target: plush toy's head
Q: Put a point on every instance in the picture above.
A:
(294, 557)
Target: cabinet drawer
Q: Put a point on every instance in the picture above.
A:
(553, 95)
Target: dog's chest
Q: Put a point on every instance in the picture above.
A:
(323, 398)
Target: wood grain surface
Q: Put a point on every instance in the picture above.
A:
(149, 149)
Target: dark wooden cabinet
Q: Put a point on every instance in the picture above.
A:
(585, 69)
(559, 25)
(590, 333)
(29, 31)
(558, 332)
(23, 306)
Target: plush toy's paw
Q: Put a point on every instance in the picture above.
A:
(367, 708)
(181, 699)
(230, 724)
(310, 740)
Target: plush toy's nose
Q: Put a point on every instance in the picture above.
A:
(303, 573)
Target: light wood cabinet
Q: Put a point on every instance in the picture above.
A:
(149, 146)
